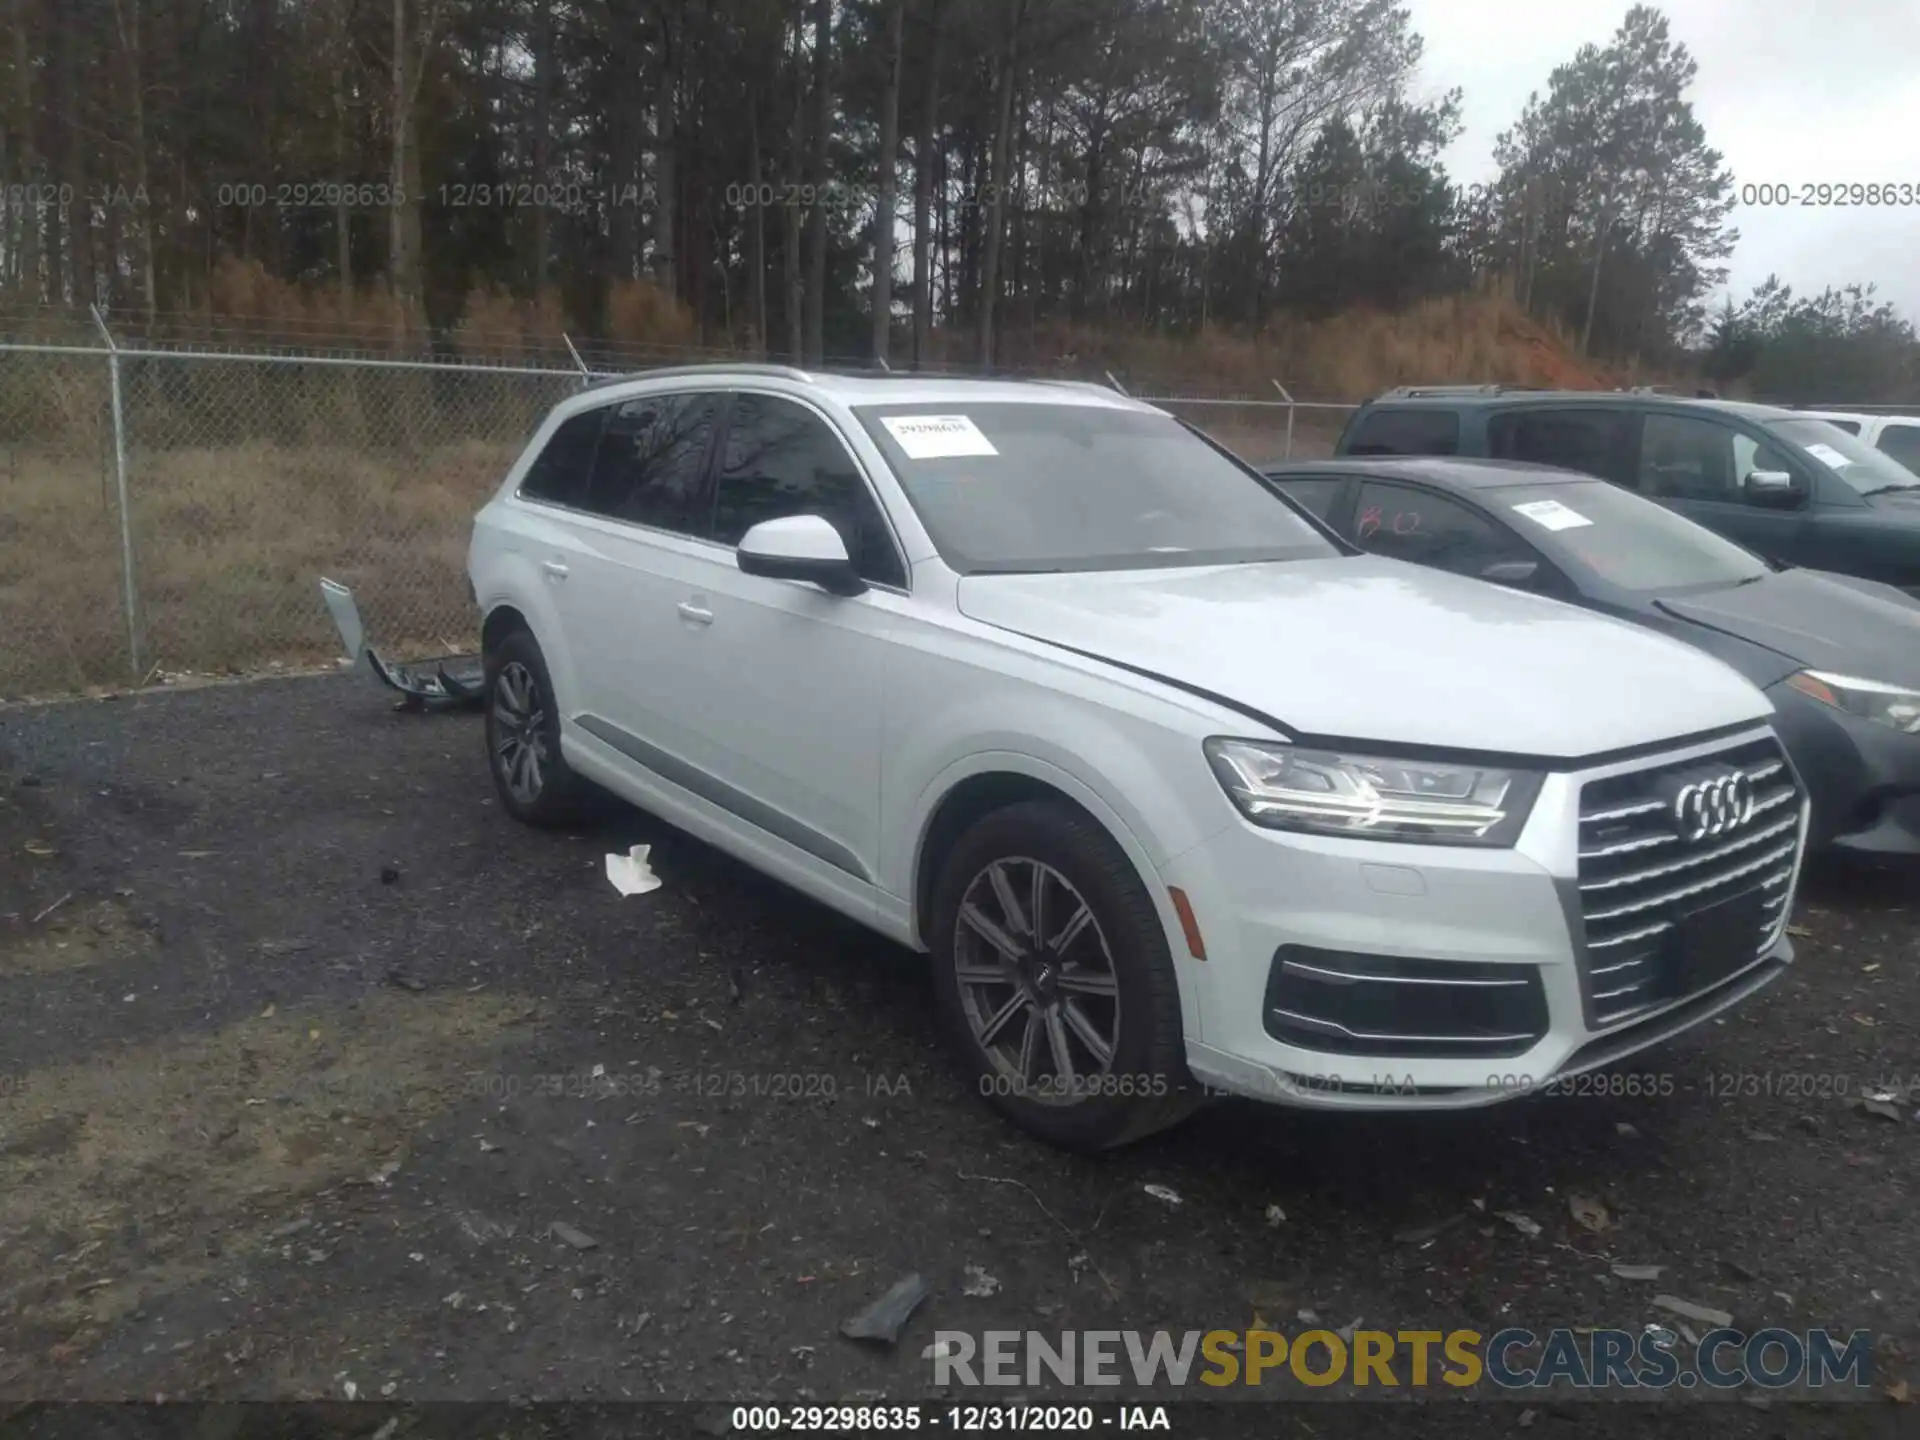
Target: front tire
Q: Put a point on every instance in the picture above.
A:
(530, 775)
(1053, 974)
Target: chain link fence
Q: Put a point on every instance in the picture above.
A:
(245, 479)
(181, 526)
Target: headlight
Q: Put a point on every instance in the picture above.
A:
(1373, 797)
(1893, 705)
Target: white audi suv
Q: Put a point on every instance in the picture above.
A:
(1177, 792)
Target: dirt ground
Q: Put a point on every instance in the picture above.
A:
(305, 1051)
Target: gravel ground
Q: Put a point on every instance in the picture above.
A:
(305, 1049)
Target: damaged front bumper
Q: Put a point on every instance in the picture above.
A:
(448, 682)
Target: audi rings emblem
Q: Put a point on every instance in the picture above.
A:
(1705, 808)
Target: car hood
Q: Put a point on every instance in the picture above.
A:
(1373, 650)
(1818, 621)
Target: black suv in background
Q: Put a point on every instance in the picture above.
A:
(1795, 489)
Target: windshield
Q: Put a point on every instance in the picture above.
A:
(1627, 541)
(1038, 487)
(1849, 457)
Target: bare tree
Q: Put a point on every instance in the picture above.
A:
(1006, 79)
(126, 24)
(790, 207)
(666, 140)
(404, 239)
(886, 209)
(28, 222)
(923, 168)
(819, 134)
(541, 245)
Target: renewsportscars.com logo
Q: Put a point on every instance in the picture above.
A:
(1388, 1360)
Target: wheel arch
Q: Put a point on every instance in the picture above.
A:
(990, 783)
(977, 787)
(501, 622)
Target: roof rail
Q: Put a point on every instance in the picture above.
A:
(1422, 392)
(713, 367)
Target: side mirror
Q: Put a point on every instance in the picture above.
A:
(806, 548)
(1773, 490)
(1517, 573)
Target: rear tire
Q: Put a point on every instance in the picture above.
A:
(530, 775)
(1070, 1026)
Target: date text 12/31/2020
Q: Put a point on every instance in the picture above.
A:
(566, 196)
(847, 195)
(1625, 1085)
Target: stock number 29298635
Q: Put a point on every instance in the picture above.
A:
(1588, 1084)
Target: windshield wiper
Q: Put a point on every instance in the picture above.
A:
(1890, 485)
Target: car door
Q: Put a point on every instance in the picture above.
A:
(641, 537)
(550, 535)
(1424, 527)
(1698, 465)
(783, 709)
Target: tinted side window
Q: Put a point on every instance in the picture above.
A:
(651, 462)
(1686, 459)
(1902, 442)
(781, 459)
(1407, 432)
(1429, 529)
(1590, 441)
(560, 473)
(1315, 495)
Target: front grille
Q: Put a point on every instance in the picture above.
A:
(1346, 1004)
(1665, 917)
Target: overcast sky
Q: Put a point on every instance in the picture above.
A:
(1788, 90)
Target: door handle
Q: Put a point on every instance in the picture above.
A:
(694, 614)
(555, 570)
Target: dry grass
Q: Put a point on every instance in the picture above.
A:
(231, 545)
(641, 313)
(499, 326)
(121, 1175)
(1474, 338)
(249, 480)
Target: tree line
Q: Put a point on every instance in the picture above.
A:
(909, 180)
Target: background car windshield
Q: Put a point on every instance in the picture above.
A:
(1626, 541)
(1848, 456)
(1037, 487)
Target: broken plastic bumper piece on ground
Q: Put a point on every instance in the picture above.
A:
(449, 682)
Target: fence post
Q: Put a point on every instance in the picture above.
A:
(126, 511)
(586, 375)
(1290, 409)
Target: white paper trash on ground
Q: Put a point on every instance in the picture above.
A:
(630, 873)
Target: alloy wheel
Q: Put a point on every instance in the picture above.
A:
(1037, 980)
(520, 737)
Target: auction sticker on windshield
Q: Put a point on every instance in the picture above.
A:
(1552, 515)
(937, 437)
(1829, 455)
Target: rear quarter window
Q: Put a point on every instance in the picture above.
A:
(1902, 442)
(1406, 432)
(1314, 494)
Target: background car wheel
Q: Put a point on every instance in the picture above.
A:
(1052, 971)
(523, 736)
